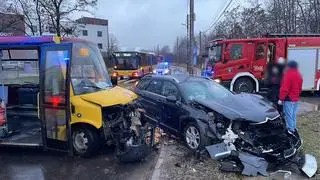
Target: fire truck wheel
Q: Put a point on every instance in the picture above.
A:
(85, 141)
(243, 85)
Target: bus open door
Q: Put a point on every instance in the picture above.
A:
(54, 106)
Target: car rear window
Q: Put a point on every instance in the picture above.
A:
(143, 83)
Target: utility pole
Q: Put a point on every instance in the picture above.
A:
(178, 51)
(158, 50)
(108, 45)
(188, 43)
(200, 47)
(191, 34)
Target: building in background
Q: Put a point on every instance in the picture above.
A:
(94, 30)
(87, 28)
(12, 25)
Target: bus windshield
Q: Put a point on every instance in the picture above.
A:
(126, 63)
(88, 71)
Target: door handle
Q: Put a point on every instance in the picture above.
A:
(38, 102)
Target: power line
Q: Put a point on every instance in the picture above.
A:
(220, 16)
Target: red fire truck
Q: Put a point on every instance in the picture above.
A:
(241, 64)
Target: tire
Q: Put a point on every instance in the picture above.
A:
(85, 141)
(132, 154)
(202, 139)
(243, 85)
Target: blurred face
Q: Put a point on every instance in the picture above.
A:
(275, 70)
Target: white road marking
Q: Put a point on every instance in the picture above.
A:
(123, 80)
(130, 81)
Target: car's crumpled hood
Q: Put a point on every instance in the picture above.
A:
(243, 106)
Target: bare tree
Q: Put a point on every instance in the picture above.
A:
(165, 50)
(59, 10)
(114, 44)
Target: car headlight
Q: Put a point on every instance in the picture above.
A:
(218, 81)
(154, 71)
(166, 71)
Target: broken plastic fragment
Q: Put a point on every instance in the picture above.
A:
(253, 164)
(310, 165)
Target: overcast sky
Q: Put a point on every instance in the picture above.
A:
(146, 23)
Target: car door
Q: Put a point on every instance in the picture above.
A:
(140, 90)
(171, 110)
(236, 61)
(150, 98)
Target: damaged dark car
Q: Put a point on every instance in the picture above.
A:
(208, 116)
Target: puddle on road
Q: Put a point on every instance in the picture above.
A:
(24, 172)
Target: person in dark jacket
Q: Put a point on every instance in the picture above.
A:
(274, 78)
(290, 90)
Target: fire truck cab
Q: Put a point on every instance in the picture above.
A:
(241, 64)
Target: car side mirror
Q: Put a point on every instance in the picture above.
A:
(226, 57)
(172, 99)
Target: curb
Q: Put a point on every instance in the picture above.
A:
(156, 172)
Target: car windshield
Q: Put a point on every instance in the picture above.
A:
(215, 53)
(162, 66)
(203, 89)
(88, 71)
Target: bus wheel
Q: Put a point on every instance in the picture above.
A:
(243, 85)
(85, 141)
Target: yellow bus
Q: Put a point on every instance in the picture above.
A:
(59, 96)
(133, 64)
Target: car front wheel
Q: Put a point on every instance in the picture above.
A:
(85, 141)
(194, 137)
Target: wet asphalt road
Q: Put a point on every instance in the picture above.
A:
(33, 164)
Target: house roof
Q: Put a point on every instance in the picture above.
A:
(94, 21)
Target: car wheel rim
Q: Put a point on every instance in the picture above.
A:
(80, 142)
(243, 87)
(193, 137)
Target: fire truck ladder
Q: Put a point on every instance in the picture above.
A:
(271, 35)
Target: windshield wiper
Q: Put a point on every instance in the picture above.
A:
(89, 86)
